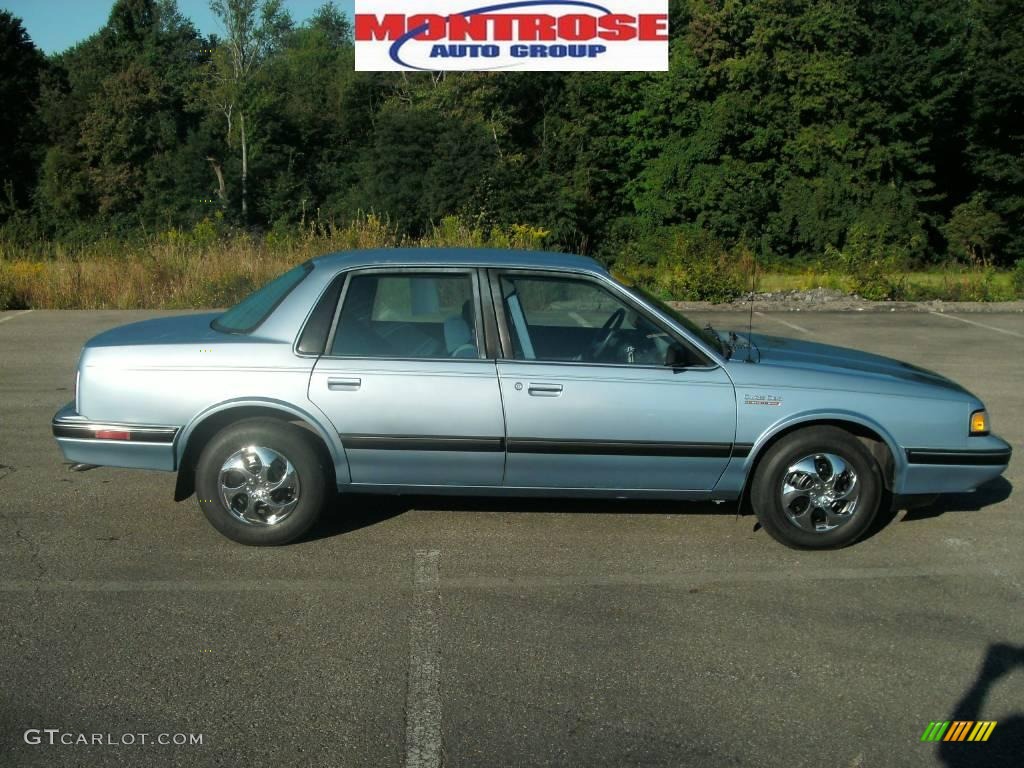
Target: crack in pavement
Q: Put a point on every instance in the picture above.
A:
(34, 552)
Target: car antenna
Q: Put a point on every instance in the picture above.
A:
(750, 320)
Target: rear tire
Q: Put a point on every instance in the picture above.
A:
(817, 488)
(261, 482)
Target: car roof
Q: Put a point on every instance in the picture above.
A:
(469, 257)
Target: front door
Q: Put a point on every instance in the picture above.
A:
(598, 394)
(405, 382)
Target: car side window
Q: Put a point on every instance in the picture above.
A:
(565, 319)
(408, 315)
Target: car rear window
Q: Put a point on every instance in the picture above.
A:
(247, 314)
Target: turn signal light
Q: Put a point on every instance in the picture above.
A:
(979, 423)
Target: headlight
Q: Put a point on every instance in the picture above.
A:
(979, 423)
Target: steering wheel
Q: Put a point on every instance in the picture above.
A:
(603, 336)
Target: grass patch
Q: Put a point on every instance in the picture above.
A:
(212, 266)
(204, 267)
(947, 284)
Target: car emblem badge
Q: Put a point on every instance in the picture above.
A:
(752, 399)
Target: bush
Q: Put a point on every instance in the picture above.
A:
(973, 231)
(458, 232)
(956, 282)
(1017, 278)
(871, 262)
(6, 290)
(687, 264)
(16, 282)
(225, 291)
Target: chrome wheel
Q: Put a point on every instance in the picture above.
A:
(259, 486)
(819, 492)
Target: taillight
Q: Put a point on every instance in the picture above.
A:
(112, 434)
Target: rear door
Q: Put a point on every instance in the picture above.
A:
(406, 382)
(599, 394)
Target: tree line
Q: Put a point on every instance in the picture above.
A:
(788, 128)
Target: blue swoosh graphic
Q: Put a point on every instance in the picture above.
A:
(397, 46)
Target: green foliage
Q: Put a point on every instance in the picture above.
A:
(21, 69)
(979, 283)
(121, 152)
(1017, 278)
(453, 230)
(973, 231)
(995, 75)
(687, 264)
(872, 262)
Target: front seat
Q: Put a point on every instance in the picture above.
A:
(458, 333)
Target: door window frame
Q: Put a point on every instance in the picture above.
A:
(332, 284)
(506, 353)
(479, 320)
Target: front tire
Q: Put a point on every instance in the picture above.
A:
(261, 482)
(817, 488)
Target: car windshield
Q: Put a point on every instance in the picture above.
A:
(246, 316)
(707, 335)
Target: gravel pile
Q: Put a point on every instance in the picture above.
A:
(830, 300)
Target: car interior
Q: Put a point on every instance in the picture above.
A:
(546, 324)
(555, 319)
(417, 316)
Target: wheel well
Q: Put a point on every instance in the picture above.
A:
(214, 423)
(871, 439)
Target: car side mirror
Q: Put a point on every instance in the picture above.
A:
(676, 357)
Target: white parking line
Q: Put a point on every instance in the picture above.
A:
(18, 314)
(794, 326)
(423, 699)
(980, 325)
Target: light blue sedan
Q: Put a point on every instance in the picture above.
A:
(508, 373)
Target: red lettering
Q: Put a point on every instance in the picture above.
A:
(617, 26)
(369, 27)
(653, 26)
(436, 26)
(576, 26)
(502, 27)
(471, 28)
(537, 27)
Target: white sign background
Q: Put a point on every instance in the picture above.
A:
(620, 55)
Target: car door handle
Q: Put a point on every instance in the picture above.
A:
(337, 384)
(545, 390)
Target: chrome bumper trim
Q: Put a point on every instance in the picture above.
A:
(68, 424)
(999, 457)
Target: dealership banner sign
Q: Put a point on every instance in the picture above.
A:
(518, 35)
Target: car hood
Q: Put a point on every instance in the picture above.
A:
(180, 329)
(779, 351)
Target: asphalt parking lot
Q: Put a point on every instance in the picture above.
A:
(522, 633)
